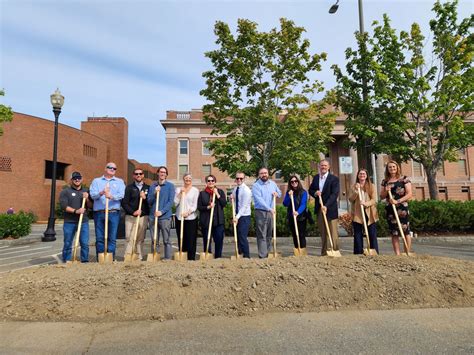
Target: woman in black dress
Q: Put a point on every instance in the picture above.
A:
(401, 189)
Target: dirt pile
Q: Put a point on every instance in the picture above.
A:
(172, 290)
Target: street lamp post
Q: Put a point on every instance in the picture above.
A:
(365, 157)
(57, 100)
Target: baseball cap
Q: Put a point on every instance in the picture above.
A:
(76, 175)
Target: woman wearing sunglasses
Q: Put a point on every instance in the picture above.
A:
(204, 206)
(300, 197)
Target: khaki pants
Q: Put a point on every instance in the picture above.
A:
(130, 230)
(333, 227)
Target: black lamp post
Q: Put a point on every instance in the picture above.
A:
(364, 154)
(57, 100)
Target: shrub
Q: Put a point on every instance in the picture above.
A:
(16, 225)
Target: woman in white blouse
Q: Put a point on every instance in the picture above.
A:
(190, 227)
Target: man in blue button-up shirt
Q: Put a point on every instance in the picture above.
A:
(165, 204)
(263, 191)
(107, 187)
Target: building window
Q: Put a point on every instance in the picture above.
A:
(462, 166)
(205, 147)
(417, 169)
(89, 151)
(206, 169)
(440, 169)
(183, 147)
(5, 164)
(183, 169)
(60, 170)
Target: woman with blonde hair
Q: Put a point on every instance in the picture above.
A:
(401, 189)
(369, 201)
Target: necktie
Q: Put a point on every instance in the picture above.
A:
(237, 200)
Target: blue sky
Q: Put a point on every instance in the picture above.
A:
(138, 59)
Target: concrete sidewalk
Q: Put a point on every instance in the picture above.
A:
(429, 331)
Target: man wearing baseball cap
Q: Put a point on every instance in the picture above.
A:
(70, 200)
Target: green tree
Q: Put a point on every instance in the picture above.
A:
(6, 114)
(261, 98)
(418, 98)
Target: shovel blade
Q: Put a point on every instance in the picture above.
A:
(300, 251)
(128, 258)
(333, 253)
(105, 258)
(153, 257)
(370, 252)
(72, 262)
(274, 255)
(206, 256)
(236, 257)
(180, 256)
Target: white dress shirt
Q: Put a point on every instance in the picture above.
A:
(245, 199)
(322, 181)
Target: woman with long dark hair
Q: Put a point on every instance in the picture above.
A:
(369, 212)
(300, 197)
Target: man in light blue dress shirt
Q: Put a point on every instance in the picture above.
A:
(111, 187)
(263, 191)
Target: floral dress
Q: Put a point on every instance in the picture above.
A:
(398, 191)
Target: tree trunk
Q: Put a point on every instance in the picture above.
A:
(432, 185)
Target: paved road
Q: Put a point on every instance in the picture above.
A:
(423, 331)
(30, 251)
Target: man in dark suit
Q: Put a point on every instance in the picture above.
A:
(326, 185)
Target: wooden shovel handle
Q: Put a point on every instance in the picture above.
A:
(326, 222)
(78, 233)
(362, 209)
(155, 229)
(295, 221)
(181, 227)
(211, 218)
(400, 228)
(235, 229)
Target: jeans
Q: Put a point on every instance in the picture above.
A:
(217, 233)
(164, 230)
(243, 226)
(359, 237)
(99, 224)
(69, 231)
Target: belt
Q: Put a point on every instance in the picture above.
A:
(110, 211)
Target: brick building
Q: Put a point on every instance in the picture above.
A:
(187, 134)
(26, 151)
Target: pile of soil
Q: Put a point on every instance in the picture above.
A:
(174, 290)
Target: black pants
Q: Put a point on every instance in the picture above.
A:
(190, 229)
(301, 232)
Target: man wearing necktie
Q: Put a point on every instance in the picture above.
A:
(326, 185)
(243, 197)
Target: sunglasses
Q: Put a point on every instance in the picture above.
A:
(210, 180)
(112, 168)
(294, 181)
(77, 178)
(138, 174)
(239, 178)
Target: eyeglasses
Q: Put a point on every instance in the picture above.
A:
(210, 180)
(294, 181)
(77, 178)
(111, 167)
(237, 178)
(138, 174)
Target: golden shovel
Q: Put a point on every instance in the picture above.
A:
(106, 257)
(367, 251)
(274, 254)
(237, 255)
(330, 252)
(400, 229)
(154, 257)
(297, 251)
(133, 255)
(206, 255)
(75, 259)
(180, 255)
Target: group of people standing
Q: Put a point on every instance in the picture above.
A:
(109, 192)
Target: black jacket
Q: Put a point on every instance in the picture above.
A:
(131, 199)
(329, 195)
(204, 200)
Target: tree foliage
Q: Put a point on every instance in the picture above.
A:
(261, 98)
(6, 114)
(417, 102)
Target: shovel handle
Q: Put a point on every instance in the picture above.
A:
(326, 222)
(155, 229)
(362, 209)
(400, 228)
(295, 222)
(211, 218)
(274, 226)
(181, 229)
(235, 229)
(137, 223)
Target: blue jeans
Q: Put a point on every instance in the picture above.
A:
(359, 237)
(217, 233)
(99, 224)
(243, 226)
(69, 231)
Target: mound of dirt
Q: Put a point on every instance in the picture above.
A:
(173, 290)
